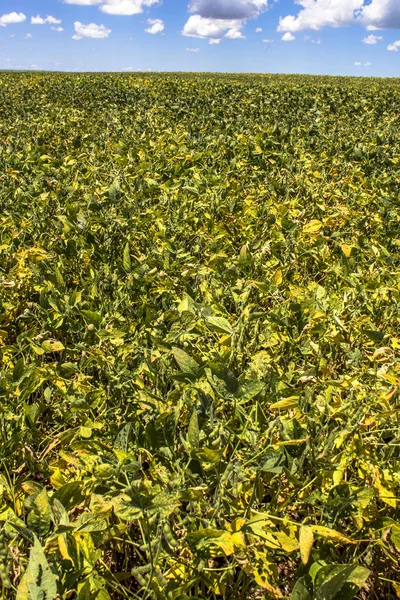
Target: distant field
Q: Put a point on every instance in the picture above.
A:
(199, 337)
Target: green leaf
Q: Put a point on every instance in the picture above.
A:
(185, 362)
(39, 519)
(91, 317)
(193, 430)
(70, 494)
(127, 264)
(40, 580)
(249, 390)
(19, 369)
(219, 324)
(301, 590)
(375, 336)
(351, 578)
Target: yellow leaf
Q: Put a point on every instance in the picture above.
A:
(346, 249)
(396, 587)
(331, 534)
(23, 590)
(306, 540)
(291, 442)
(238, 540)
(285, 404)
(313, 226)
(385, 495)
(62, 546)
(237, 524)
(278, 276)
(287, 543)
(52, 346)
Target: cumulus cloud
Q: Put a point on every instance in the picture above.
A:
(28, 36)
(58, 29)
(372, 39)
(381, 14)
(117, 7)
(234, 34)
(314, 14)
(90, 31)
(192, 49)
(360, 64)
(228, 9)
(258, 30)
(321, 13)
(156, 26)
(288, 37)
(394, 47)
(38, 20)
(212, 30)
(11, 18)
(218, 19)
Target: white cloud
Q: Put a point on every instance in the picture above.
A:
(372, 39)
(156, 26)
(268, 41)
(394, 47)
(234, 34)
(367, 64)
(288, 37)
(360, 64)
(357, 64)
(83, 2)
(53, 21)
(318, 42)
(212, 30)
(218, 19)
(11, 18)
(38, 20)
(28, 36)
(90, 31)
(135, 70)
(117, 7)
(58, 29)
(228, 9)
(314, 14)
(192, 49)
(258, 30)
(321, 13)
(381, 14)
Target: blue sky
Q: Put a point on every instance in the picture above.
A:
(338, 37)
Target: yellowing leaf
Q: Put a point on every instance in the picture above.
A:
(63, 547)
(52, 346)
(330, 534)
(277, 277)
(313, 226)
(285, 404)
(346, 249)
(287, 543)
(385, 495)
(306, 539)
(85, 432)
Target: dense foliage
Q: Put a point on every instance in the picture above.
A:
(199, 337)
